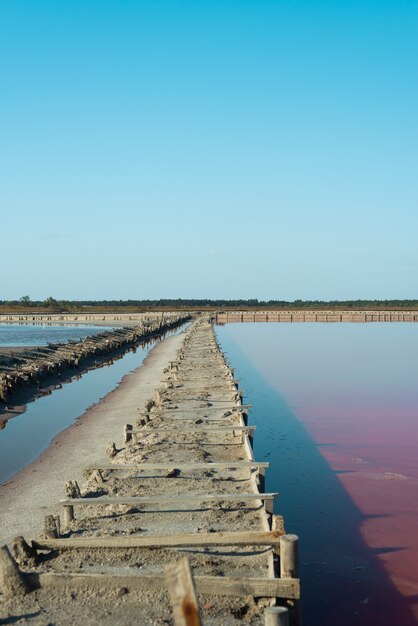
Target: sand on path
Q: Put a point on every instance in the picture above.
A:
(36, 491)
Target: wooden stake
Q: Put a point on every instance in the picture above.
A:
(126, 433)
(276, 616)
(277, 523)
(52, 527)
(289, 568)
(261, 479)
(98, 477)
(111, 450)
(72, 489)
(23, 552)
(68, 514)
(181, 589)
(289, 556)
(12, 581)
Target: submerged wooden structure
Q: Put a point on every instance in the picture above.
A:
(172, 488)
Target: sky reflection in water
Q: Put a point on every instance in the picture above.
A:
(40, 334)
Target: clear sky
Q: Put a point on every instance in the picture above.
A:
(208, 148)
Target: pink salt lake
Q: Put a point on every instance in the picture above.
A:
(336, 407)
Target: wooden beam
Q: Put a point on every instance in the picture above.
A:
(192, 418)
(179, 429)
(212, 400)
(229, 407)
(181, 589)
(138, 500)
(246, 538)
(178, 376)
(181, 466)
(288, 588)
(189, 379)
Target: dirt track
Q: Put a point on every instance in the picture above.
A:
(196, 392)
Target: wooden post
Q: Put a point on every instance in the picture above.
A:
(289, 568)
(23, 552)
(277, 523)
(251, 438)
(269, 506)
(289, 556)
(52, 527)
(261, 479)
(12, 581)
(126, 433)
(72, 490)
(68, 514)
(182, 593)
(98, 477)
(111, 450)
(276, 616)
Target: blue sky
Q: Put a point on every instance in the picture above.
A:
(226, 149)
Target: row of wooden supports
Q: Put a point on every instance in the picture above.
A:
(289, 548)
(285, 547)
(14, 583)
(320, 316)
(289, 545)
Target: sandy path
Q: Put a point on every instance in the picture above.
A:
(192, 420)
(35, 492)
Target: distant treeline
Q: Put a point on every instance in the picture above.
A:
(51, 305)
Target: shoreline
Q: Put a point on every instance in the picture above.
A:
(10, 350)
(35, 491)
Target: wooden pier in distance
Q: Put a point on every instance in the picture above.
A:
(296, 316)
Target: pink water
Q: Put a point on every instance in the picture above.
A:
(337, 409)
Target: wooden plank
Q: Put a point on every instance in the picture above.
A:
(105, 500)
(182, 466)
(245, 538)
(288, 588)
(197, 429)
(182, 592)
(189, 379)
(212, 400)
(228, 407)
(221, 419)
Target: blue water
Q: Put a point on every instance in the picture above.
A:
(14, 335)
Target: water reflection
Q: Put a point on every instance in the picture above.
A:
(30, 433)
(16, 335)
